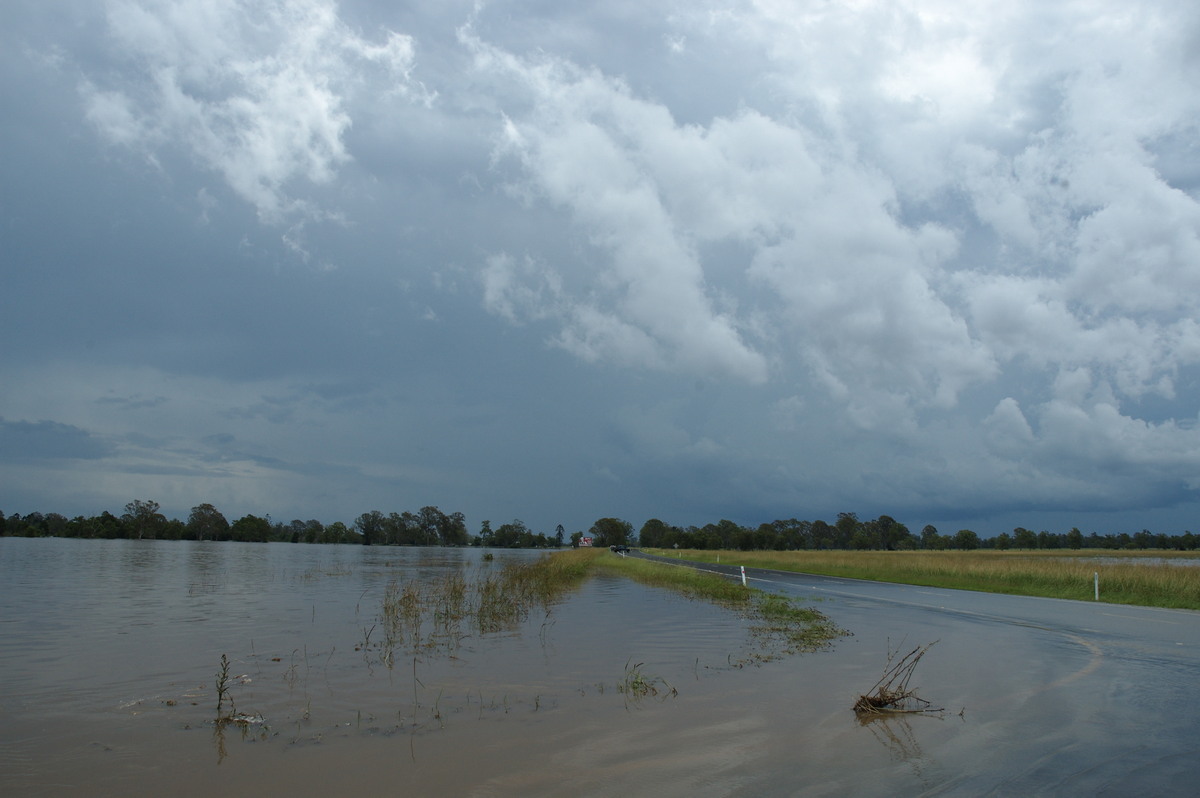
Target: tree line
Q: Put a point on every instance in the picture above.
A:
(143, 520)
(886, 533)
(429, 526)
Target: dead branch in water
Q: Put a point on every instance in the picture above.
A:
(891, 694)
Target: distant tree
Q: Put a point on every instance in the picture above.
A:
(966, 539)
(56, 524)
(173, 529)
(403, 529)
(370, 526)
(824, 536)
(143, 519)
(337, 532)
(1075, 538)
(1024, 538)
(1003, 542)
(887, 533)
(576, 537)
(846, 526)
(558, 535)
(786, 535)
(654, 534)
(312, 531)
(731, 534)
(432, 521)
(108, 526)
(251, 529)
(1045, 540)
(514, 535)
(206, 522)
(611, 532)
(453, 530)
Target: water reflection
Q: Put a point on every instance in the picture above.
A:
(895, 732)
(204, 567)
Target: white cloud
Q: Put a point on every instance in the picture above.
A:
(519, 290)
(958, 245)
(252, 89)
(875, 296)
(588, 146)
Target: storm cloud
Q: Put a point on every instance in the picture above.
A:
(746, 260)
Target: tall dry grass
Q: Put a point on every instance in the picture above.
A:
(1153, 579)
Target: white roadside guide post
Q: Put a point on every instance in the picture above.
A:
(1097, 578)
(743, 576)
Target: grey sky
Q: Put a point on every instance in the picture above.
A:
(746, 260)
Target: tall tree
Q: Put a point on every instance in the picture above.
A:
(251, 529)
(453, 531)
(966, 539)
(847, 525)
(370, 526)
(653, 534)
(433, 521)
(206, 522)
(611, 532)
(143, 519)
(513, 535)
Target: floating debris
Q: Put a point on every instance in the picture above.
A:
(891, 694)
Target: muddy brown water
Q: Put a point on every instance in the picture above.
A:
(109, 652)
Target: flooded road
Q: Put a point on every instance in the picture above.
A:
(109, 652)
(1057, 697)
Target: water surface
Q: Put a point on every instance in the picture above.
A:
(110, 650)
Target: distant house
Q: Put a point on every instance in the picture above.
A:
(585, 541)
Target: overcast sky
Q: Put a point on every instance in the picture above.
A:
(559, 261)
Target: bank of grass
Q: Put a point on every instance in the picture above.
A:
(1144, 578)
(780, 625)
(437, 614)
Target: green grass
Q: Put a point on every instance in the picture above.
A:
(780, 625)
(1144, 579)
(435, 614)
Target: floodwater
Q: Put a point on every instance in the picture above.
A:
(109, 653)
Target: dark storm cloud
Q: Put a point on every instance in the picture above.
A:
(24, 442)
(685, 260)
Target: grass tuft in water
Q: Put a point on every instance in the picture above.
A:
(636, 685)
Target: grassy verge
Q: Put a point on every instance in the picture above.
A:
(1145, 579)
(437, 614)
(780, 625)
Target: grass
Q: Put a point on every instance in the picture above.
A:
(422, 615)
(436, 614)
(1146, 579)
(780, 625)
(637, 686)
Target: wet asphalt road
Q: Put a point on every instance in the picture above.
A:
(1058, 697)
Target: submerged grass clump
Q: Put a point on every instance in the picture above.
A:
(436, 614)
(790, 628)
(424, 616)
(637, 686)
(778, 624)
